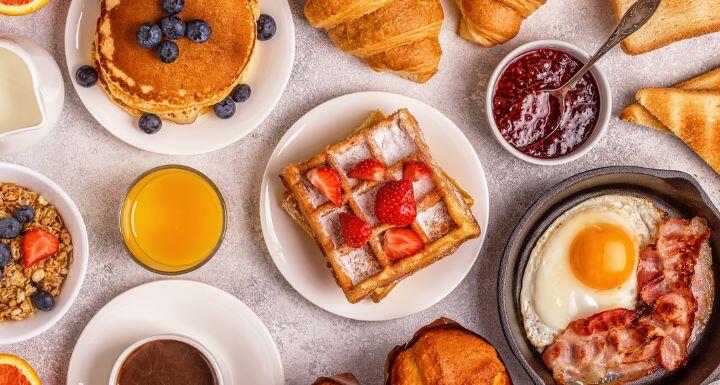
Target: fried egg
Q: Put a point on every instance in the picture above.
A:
(586, 262)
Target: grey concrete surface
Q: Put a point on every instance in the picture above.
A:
(94, 168)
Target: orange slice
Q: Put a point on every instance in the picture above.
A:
(20, 7)
(15, 371)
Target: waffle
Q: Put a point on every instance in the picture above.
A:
(444, 220)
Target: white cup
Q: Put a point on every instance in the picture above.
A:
(175, 337)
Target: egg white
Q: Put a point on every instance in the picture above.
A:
(551, 295)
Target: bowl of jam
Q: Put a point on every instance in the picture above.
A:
(166, 359)
(531, 124)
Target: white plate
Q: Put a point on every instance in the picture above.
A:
(234, 335)
(300, 260)
(268, 76)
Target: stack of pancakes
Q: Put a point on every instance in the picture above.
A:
(204, 73)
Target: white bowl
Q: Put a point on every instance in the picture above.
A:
(605, 102)
(16, 331)
(176, 337)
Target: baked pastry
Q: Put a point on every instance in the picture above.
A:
(399, 36)
(444, 352)
(339, 379)
(638, 114)
(203, 74)
(693, 116)
(408, 223)
(492, 22)
(674, 20)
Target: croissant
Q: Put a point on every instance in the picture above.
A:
(492, 22)
(398, 36)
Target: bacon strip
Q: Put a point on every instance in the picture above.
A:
(622, 345)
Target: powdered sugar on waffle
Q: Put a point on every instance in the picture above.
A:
(366, 201)
(422, 188)
(394, 143)
(359, 264)
(316, 196)
(351, 157)
(435, 221)
(331, 224)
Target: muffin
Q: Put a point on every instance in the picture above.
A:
(340, 379)
(442, 353)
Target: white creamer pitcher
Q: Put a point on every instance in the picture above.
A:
(31, 93)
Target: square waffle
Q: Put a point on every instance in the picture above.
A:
(444, 220)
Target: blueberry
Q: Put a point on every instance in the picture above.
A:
(5, 255)
(149, 35)
(266, 27)
(241, 93)
(173, 6)
(86, 76)
(150, 123)
(9, 228)
(172, 27)
(25, 214)
(225, 109)
(167, 51)
(43, 300)
(198, 31)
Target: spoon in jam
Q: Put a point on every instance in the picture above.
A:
(636, 16)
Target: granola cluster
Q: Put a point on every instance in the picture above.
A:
(19, 283)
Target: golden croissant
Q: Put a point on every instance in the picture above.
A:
(492, 22)
(399, 36)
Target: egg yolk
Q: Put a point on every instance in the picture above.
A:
(602, 256)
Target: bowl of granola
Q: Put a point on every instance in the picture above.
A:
(43, 253)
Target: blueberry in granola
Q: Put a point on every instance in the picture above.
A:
(9, 228)
(43, 300)
(25, 214)
(5, 255)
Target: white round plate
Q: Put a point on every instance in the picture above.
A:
(268, 75)
(298, 257)
(233, 334)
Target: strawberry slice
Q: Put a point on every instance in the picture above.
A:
(415, 171)
(395, 203)
(37, 245)
(327, 181)
(402, 242)
(355, 231)
(368, 169)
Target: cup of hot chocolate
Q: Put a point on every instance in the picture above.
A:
(166, 359)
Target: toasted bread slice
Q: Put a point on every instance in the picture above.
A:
(638, 114)
(693, 116)
(674, 20)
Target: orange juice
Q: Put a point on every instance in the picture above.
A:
(172, 219)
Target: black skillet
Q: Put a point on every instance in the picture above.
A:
(675, 192)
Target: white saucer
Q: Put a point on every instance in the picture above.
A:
(268, 76)
(298, 257)
(234, 335)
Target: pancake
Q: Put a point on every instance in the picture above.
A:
(204, 73)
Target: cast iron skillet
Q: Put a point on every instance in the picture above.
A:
(675, 192)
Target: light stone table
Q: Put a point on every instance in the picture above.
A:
(95, 168)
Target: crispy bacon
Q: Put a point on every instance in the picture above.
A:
(622, 345)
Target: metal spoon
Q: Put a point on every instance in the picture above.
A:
(636, 16)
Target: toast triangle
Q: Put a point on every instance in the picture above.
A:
(693, 116)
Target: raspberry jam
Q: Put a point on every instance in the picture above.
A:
(531, 120)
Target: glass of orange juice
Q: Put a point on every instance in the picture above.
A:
(172, 219)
